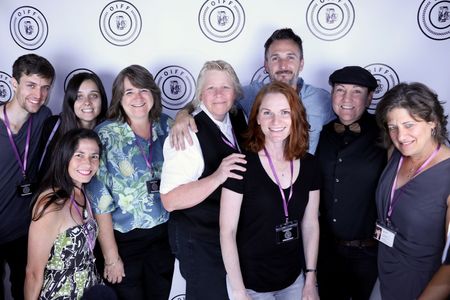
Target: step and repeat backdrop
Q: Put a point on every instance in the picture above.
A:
(395, 40)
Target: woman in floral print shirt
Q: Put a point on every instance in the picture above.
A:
(125, 191)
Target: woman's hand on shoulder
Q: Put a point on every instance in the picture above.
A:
(180, 130)
(232, 162)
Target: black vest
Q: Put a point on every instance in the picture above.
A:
(202, 220)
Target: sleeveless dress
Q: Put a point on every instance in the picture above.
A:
(71, 265)
(418, 218)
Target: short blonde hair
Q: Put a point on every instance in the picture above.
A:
(217, 65)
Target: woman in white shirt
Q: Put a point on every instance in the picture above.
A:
(191, 181)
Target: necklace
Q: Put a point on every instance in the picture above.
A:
(412, 171)
(84, 212)
(416, 168)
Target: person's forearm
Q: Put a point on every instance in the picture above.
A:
(33, 285)
(188, 108)
(231, 260)
(190, 194)
(107, 239)
(439, 286)
(310, 233)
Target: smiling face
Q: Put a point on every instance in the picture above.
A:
(84, 162)
(410, 136)
(274, 117)
(283, 62)
(217, 93)
(136, 102)
(88, 104)
(31, 91)
(350, 101)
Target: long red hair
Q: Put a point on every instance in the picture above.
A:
(297, 142)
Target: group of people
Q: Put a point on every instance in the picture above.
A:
(277, 191)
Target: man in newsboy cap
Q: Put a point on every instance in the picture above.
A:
(351, 163)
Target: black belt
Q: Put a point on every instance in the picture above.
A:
(358, 243)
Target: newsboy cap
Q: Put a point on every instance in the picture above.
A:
(354, 75)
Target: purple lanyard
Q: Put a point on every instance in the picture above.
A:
(283, 197)
(236, 145)
(52, 134)
(393, 199)
(23, 166)
(90, 239)
(148, 161)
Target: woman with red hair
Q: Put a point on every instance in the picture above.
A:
(269, 226)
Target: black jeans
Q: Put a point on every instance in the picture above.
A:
(346, 272)
(15, 254)
(148, 264)
(201, 264)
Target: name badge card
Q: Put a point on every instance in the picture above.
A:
(287, 232)
(153, 186)
(384, 235)
(24, 189)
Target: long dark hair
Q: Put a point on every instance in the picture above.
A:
(57, 179)
(69, 120)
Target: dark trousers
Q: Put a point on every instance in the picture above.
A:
(201, 264)
(346, 272)
(15, 254)
(148, 264)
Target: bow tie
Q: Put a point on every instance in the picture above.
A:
(340, 128)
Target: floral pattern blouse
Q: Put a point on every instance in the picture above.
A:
(120, 185)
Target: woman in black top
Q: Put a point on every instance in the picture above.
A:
(269, 228)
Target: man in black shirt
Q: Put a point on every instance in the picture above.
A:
(21, 121)
(351, 162)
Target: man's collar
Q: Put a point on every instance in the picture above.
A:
(300, 83)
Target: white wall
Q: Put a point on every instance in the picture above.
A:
(404, 40)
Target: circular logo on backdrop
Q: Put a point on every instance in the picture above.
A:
(74, 72)
(28, 27)
(221, 21)
(120, 23)
(177, 86)
(434, 19)
(179, 297)
(386, 78)
(261, 75)
(330, 20)
(6, 90)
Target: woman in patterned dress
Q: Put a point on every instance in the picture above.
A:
(63, 231)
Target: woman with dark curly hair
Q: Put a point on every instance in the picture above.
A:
(413, 195)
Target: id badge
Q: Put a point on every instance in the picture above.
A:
(384, 235)
(287, 232)
(153, 186)
(25, 188)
